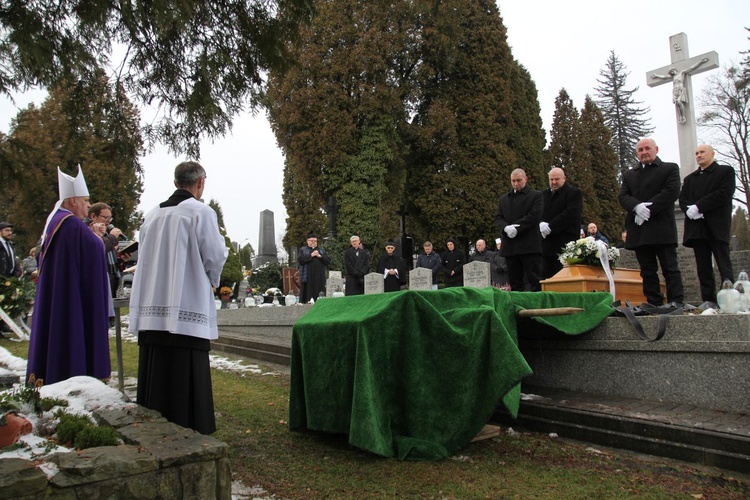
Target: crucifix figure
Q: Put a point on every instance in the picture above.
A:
(679, 72)
(679, 93)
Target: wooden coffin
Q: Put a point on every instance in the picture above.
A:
(582, 278)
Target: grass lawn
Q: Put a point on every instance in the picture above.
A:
(252, 411)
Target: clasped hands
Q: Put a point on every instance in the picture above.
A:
(642, 212)
(511, 230)
(693, 212)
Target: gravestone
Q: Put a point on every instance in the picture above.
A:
(374, 283)
(335, 274)
(420, 279)
(266, 243)
(477, 274)
(333, 285)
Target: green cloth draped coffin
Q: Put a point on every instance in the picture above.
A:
(417, 374)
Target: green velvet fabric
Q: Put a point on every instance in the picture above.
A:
(417, 374)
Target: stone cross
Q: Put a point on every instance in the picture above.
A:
(678, 72)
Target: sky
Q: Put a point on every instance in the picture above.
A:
(561, 44)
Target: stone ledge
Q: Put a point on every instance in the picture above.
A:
(702, 360)
(159, 460)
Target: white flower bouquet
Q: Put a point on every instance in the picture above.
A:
(587, 251)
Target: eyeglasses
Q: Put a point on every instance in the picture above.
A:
(108, 219)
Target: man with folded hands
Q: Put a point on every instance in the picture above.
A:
(517, 218)
(648, 194)
(706, 199)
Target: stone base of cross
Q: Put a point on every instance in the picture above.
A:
(678, 72)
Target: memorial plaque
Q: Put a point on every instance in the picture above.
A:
(477, 274)
(334, 285)
(373, 283)
(420, 279)
(335, 274)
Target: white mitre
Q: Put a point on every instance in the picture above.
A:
(69, 186)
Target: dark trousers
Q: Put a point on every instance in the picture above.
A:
(523, 272)
(354, 286)
(174, 378)
(703, 249)
(647, 256)
(550, 266)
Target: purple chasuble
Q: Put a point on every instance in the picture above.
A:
(70, 330)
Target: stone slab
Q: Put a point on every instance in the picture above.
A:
(172, 444)
(420, 279)
(334, 285)
(374, 283)
(99, 464)
(477, 274)
(19, 478)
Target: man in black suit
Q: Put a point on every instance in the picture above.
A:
(706, 199)
(517, 217)
(9, 263)
(648, 193)
(561, 220)
(356, 265)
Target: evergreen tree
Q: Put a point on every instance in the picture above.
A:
(200, 61)
(231, 274)
(460, 132)
(336, 114)
(623, 115)
(411, 103)
(563, 132)
(526, 136)
(598, 158)
(89, 123)
(246, 256)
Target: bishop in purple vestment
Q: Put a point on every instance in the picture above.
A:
(69, 334)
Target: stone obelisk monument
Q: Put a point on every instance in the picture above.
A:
(266, 240)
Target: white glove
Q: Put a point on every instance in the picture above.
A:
(511, 230)
(693, 212)
(642, 211)
(544, 229)
(639, 221)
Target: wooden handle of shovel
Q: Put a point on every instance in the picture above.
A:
(552, 311)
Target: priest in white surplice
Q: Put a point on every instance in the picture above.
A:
(172, 306)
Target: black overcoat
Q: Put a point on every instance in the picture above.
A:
(660, 185)
(525, 209)
(712, 191)
(562, 210)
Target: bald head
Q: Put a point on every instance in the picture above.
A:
(646, 150)
(704, 156)
(556, 178)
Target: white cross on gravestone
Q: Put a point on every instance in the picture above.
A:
(678, 72)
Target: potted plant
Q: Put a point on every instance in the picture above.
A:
(225, 293)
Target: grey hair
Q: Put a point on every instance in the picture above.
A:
(188, 173)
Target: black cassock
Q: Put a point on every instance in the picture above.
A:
(392, 282)
(312, 273)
